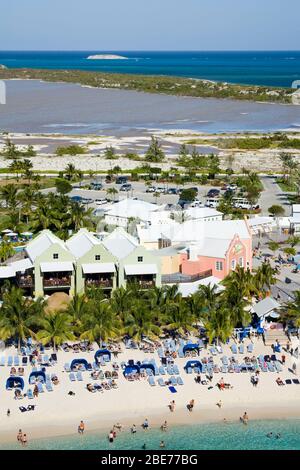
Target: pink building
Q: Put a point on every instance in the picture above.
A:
(217, 255)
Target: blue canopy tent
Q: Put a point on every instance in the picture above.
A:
(102, 352)
(14, 382)
(79, 362)
(39, 374)
(129, 369)
(191, 347)
(192, 364)
(148, 366)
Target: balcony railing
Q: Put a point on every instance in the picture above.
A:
(141, 282)
(57, 282)
(179, 278)
(108, 283)
(25, 282)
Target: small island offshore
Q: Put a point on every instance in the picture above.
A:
(106, 57)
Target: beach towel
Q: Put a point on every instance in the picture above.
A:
(172, 389)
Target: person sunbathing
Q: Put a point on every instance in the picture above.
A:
(279, 381)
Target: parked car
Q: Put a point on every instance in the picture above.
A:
(77, 198)
(151, 189)
(121, 180)
(173, 191)
(96, 186)
(87, 200)
(213, 193)
(101, 202)
(126, 187)
(212, 202)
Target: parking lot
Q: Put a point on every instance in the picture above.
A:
(272, 194)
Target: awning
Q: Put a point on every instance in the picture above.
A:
(94, 268)
(56, 266)
(21, 265)
(6, 271)
(140, 268)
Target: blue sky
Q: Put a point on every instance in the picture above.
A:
(149, 24)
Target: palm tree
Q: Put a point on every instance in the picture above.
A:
(291, 310)
(9, 194)
(77, 308)
(56, 328)
(101, 323)
(112, 192)
(18, 315)
(179, 318)
(80, 217)
(139, 322)
(6, 251)
(265, 276)
(242, 280)
(120, 301)
(219, 324)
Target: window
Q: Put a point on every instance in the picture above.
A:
(55, 255)
(233, 264)
(140, 259)
(219, 265)
(241, 262)
(97, 257)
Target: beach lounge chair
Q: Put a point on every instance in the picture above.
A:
(24, 361)
(54, 357)
(72, 377)
(224, 369)
(237, 368)
(29, 394)
(172, 389)
(273, 357)
(67, 367)
(175, 369)
(40, 387)
(2, 361)
(180, 354)
(16, 361)
(278, 366)
(234, 348)
(49, 387)
(162, 370)
(204, 369)
(224, 360)
(250, 348)
(151, 381)
(219, 349)
(263, 367)
(288, 382)
(22, 409)
(179, 381)
(189, 370)
(79, 376)
(161, 382)
(213, 351)
(10, 361)
(241, 349)
(296, 381)
(271, 367)
(173, 380)
(170, 369)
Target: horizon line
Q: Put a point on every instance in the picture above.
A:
(150, 50)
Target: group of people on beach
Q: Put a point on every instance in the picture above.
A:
(22, 438)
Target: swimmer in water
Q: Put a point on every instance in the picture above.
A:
(144, 446)
(162, 444)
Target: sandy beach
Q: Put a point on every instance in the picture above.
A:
(58, 414)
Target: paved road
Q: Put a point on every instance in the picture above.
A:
(271, 195)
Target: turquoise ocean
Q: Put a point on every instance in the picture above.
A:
(276, 68)
(230, 436)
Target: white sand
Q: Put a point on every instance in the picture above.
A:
(57, 413)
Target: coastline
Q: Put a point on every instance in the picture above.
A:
(102, 424)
